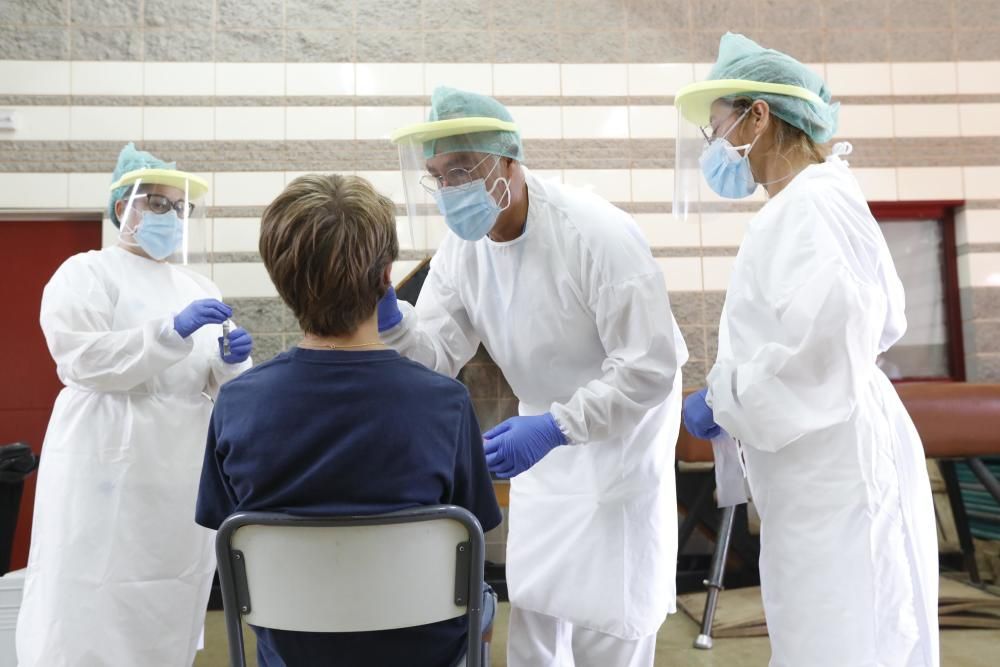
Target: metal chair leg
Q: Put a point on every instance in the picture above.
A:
(714, 581)
(961, 518)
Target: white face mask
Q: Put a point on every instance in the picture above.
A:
(469, 209)
(726, 167)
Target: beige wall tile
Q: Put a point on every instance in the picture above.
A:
(979, 120)
(24, 190)
(662, 230)
(612, 184)
(105, 123)
(319, 78)
(717, 271)
(659, 79)
(978, 78)
(239, 280)
(320, 123)
(859, 78)
(594, 80)
(178, 123)
(926, 120)
(593, 122)
(187, 79)
(652, 185)
(862, 121)
(103, 78)
(982, 182)
(924, 78)
(249, 79)
(38, 123)
(916, 183)
(682, 274)
(247, 188)
(652, 122)
(250, 123)
(977, 226)
(389, 78)
(27, 77)
(526, 79)
(474, 77)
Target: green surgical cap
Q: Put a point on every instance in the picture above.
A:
(448, 103)
(742, 58)
(131, 159)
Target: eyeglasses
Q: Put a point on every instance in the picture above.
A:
(160, 204)
(710, 131)
(454, 176)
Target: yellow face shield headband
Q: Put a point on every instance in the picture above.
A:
(694, 101)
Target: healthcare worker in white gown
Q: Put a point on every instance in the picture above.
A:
(562, 290)
(118, 572)
(848, 564)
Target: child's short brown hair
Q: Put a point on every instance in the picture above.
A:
(326, 241)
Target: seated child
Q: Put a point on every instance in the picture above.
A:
(342, 424)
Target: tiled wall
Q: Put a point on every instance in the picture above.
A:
(251, 93)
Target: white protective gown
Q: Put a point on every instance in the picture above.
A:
(119, 573)
(849, 560)
(575, 313)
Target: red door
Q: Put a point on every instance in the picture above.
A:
(30, 252)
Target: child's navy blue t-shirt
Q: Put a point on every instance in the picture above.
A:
(331, 432)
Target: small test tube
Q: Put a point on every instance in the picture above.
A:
(225, 337)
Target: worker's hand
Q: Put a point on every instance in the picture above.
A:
(199, 313)
(521, 442)
(388, 311)
(698, 417)
(240, 346)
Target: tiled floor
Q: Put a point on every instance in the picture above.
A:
(959, 648)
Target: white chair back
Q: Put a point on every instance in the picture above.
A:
(351, 574)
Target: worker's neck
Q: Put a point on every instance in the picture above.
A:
(510, 223)
(780, 171)
(365, 337)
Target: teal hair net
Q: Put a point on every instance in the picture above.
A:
(448, 103)
(742, 58)
(131, 159)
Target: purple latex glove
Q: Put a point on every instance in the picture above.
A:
(521, 442)
(699, 419)
(199, 313)
(388, 311)
(240, 346)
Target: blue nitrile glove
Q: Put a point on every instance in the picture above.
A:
(240, 346)
(199, 313)
(698, 417)
(388, 311)
(521, 442)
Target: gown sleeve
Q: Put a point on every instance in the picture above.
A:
(76, 317)
(827, 321)
(641, 344)
(438, 332)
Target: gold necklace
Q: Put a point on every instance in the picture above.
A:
(331, 346)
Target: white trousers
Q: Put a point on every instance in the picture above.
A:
(537, 640)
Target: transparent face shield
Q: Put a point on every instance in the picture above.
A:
(432, 182)
(421, 211)
(162, 217)
(692, 194)
(446, 164)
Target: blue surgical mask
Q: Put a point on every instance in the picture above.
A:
(469, 209)
(160, 234)
(727, 167)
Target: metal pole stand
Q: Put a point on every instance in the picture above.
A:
(714, 581)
